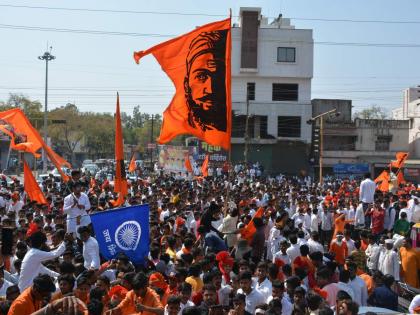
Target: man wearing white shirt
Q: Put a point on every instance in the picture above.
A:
(75, 206)
(372, 253)
(16, 204)
(358, 285)
(359, 218)
(262, 283)
(90, 249)
(389, 219)
(326, 225)
(4, 284)
(344, 283)
(314, 244)
(366, 194)
(294, 250)
(32, 262)
(253, 296)
(282, 254)
(315, 221)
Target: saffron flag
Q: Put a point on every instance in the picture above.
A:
(132, 166)
(188, 164)
(31, 186)
(199, 65)
(383, 181)
(249, 230)
(123, 230)
(120, 182)
(401, 157)
(205, 167)
(26, 138)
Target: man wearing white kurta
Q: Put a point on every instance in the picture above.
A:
(388, 261)
(75, 206)
(90, 249)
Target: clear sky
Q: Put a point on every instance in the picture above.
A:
(90, 68)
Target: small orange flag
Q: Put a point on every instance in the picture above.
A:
(199, 65)
(132, 166)
(383, 180)
(120, 181)
(401, 157)
(188, 164)
(31, 186)
(205, 167)
(249, 230)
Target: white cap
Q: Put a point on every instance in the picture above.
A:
(389, 241)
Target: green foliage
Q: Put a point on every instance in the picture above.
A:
(374, 112)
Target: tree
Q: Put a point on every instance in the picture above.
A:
(374, 112)
(32, 109)
(69, 135)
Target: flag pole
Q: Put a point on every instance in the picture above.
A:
(228, 179)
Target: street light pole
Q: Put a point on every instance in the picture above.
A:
(47, 57)
(321, 137)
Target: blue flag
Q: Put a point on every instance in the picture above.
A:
(123, 230)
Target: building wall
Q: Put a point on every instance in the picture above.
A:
(269, 71)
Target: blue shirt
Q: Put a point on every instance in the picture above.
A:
(214, 242)
(384, 297)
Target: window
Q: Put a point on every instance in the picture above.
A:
(238, 126)
(286, 54)
(382, 143)
(250, 90)
(285, 92)
(288, 126)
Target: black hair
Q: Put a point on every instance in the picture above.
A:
(44, 283)
(173, 299)
(304, 250)
(246, 275)
(68, 278)
(95, 307)
(344, 276)
(38, 239)
(140, 281)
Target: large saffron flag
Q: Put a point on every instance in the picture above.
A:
(401, 157)
(31, 186)
(123, 230)
(249, 230)
(199, 65)
(120, 181)
(205, 167)
(26, 138)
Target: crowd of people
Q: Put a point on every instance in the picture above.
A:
(233, 244)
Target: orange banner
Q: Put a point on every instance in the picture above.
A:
(199, 65)
(31, 186)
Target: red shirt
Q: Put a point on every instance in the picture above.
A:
(378, 217)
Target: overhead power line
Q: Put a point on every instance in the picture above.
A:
(115, 33)
(200, 14)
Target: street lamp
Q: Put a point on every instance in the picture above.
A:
(47, 57)
(321, 116)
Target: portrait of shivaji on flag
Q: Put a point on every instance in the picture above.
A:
(198, 63)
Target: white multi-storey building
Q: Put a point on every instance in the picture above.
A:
(272, 63)
(410, 110)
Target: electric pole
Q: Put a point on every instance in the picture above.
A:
(151, 148)
(47, 57)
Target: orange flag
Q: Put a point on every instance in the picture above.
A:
(198, 63)
(31, 186)
(400, 159)
(205, 167)
(120, 181)
(26, 138)
(383, 180)
(188, 164)
(132, 166)
(249, 230)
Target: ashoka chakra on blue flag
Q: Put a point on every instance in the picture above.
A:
(127, 235)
